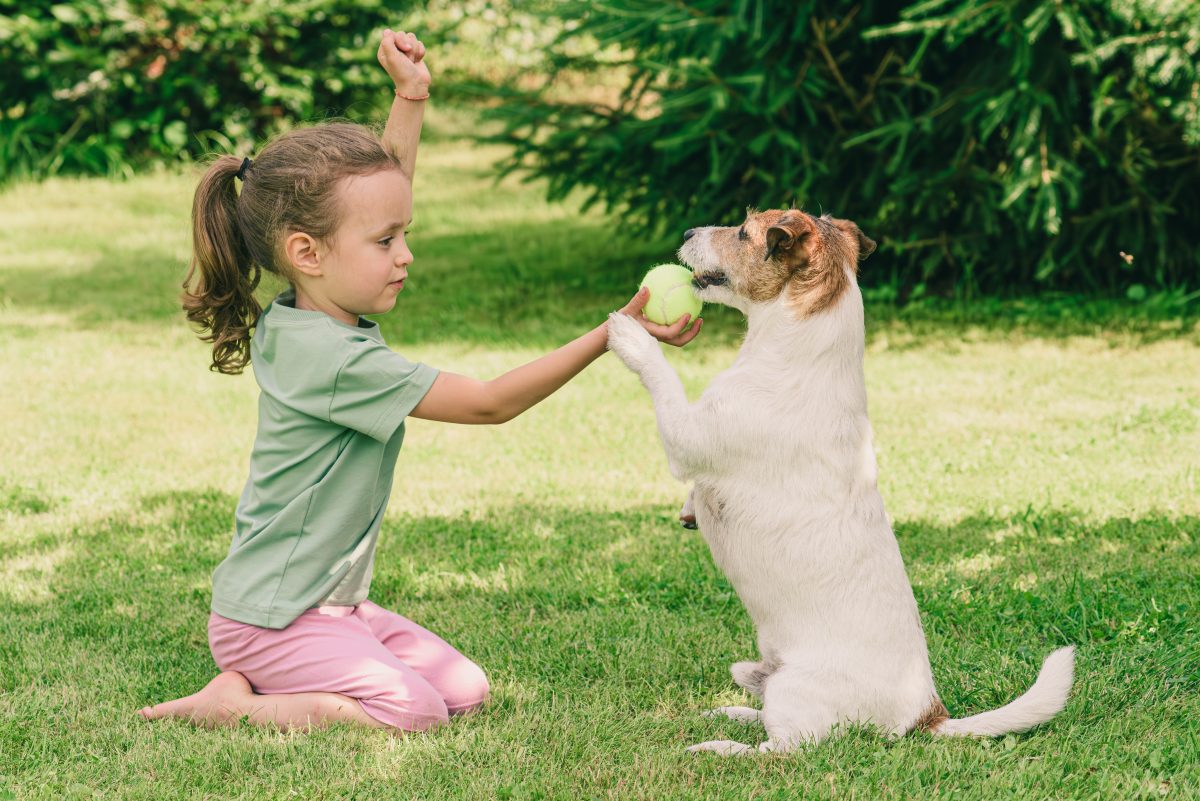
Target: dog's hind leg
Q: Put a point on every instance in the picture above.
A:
(794, 710)
(722, 747)
(742, 714)
(751, 675)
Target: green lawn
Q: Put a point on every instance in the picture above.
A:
(1040, 462)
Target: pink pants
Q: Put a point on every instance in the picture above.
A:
(400, 673)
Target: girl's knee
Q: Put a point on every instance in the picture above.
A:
(468, 689)
(416, 708)
(428, 716)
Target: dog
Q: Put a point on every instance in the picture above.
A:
(779, 450)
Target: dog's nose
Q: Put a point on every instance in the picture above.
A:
(688, 234)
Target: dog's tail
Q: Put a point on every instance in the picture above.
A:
(1045, 699)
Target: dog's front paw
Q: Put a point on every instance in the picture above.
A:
(632, 343)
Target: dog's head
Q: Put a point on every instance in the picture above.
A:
(774, 253)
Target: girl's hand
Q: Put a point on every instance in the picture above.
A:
(671, 334)
(402, 55)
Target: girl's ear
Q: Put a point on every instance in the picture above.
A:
(302, 253)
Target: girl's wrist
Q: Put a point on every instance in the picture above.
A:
(599, 336)
(413, 91)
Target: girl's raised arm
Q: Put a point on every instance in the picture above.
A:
(403, 56)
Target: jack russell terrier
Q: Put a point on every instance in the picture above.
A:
(779, 449)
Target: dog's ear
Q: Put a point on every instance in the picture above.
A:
(866, 245)
(791, 229)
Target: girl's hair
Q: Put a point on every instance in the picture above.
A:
(291, 186)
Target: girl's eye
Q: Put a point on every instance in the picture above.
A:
(387, 240)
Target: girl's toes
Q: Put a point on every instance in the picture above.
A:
(227, 691)
(164, 710)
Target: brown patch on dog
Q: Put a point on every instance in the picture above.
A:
(823, 281)
(783, 236)
(866, 245)
(788, 250)
(931, 718)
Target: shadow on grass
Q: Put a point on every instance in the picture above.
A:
(542, 284)
(555, 597)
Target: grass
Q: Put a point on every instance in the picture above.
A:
(1040, 466)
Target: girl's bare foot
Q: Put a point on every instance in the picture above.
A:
(222, 701)
(229, 698)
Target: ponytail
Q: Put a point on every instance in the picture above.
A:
(222, 301)
(290, 186)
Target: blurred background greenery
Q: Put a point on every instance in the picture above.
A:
(1002, 147)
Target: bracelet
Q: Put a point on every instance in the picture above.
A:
(406, 97)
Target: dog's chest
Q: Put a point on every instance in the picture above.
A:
(743, 408)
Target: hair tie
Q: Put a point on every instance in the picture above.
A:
(241, 173)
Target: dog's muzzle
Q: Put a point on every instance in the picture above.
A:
(709, 279)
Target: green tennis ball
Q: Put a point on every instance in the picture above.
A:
(671, 294)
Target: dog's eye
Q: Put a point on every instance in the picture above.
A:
(742, 233)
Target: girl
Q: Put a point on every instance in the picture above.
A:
(291, 628)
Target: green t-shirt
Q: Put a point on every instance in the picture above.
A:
(330, 424)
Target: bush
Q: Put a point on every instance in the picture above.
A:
(987, 144)
(105, 87)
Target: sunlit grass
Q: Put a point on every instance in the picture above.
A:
(1042, 476)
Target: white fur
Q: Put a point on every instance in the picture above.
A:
(779, 449)
(1042, 701)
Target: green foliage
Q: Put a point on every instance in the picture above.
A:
(986, 145)
(500, 41)
(103, 87)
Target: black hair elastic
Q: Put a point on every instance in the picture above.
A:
(241, 173)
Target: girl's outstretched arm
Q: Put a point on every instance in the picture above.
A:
(458, 399)
(402, 55)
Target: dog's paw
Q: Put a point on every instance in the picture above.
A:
(750, 676)
(722, 747)
(742, 714)
(777, 745)
(632, 343)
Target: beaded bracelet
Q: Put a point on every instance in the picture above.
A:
(406, 97)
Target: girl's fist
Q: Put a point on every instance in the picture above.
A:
(403, 56)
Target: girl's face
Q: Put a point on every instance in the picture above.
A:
(366, 264)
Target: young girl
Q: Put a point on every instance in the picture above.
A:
(291, 628)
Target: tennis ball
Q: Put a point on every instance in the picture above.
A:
(671, 294)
